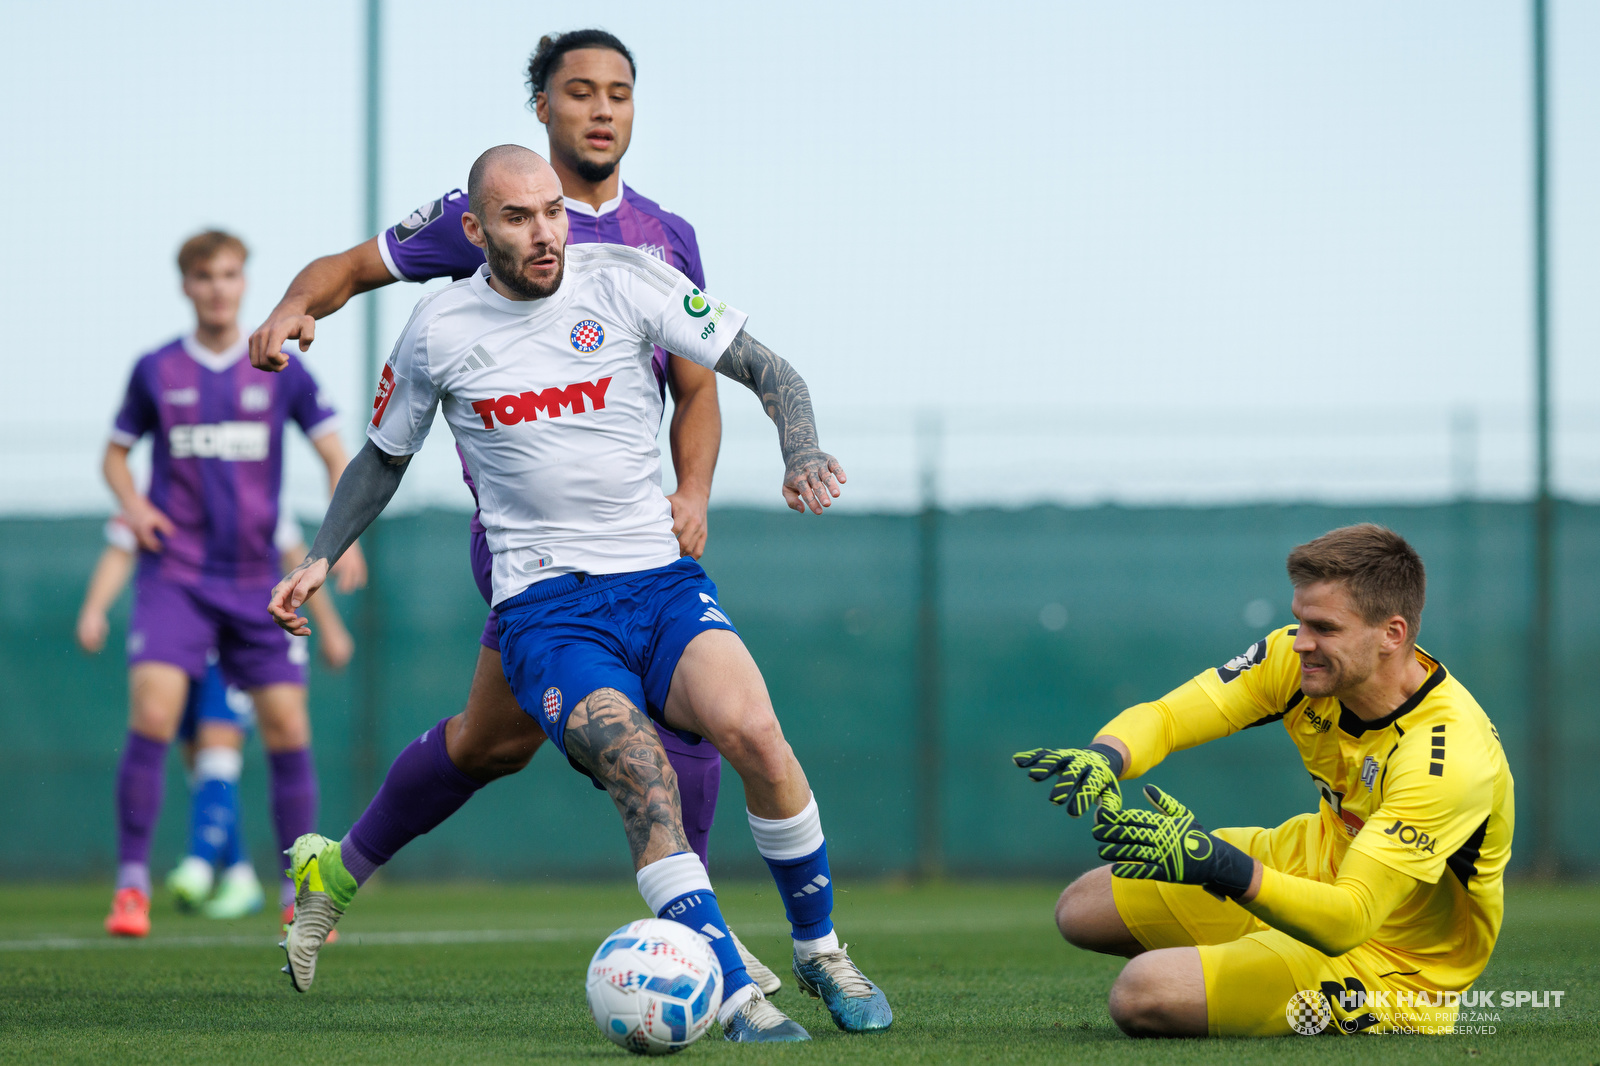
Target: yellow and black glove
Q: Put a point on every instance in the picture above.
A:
(1088, 776)
(1167, 844)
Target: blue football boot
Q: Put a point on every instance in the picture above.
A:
(857, 1005)
(759, 1022)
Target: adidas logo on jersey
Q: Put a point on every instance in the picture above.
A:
(515, 407)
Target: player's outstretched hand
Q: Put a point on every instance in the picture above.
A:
(92, 631)
(1168, 844)
(689, 523)
(295, 589)
(1086, 777)
(812, 480)
(350, 572)
(336, 646)
(281, 327)
(149, 525)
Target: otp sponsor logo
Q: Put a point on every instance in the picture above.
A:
(380, 402)
(516, 407)
(234, 442)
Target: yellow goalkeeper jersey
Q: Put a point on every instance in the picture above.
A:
(1425, 790)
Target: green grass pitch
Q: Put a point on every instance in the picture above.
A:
(487, 973)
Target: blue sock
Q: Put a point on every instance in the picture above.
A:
(234, 851)
(797, 855)
(215, 803)
(807, 892)
(699, 911)
(676, 888)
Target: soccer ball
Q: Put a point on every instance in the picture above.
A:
(654, 986)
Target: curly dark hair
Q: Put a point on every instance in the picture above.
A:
(547, 57)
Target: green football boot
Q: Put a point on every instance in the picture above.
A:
(323, 888)
(190, 884)
(238, 895)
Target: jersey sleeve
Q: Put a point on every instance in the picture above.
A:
(1428, 814)
(308, 405)
(287, 534)
(118, 535)
(688, 323)
(430, 243)
(1243, 692)
(137, 415)
(695, 271)
(407, 399)
(1255, 686)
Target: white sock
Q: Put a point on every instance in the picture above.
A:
(239, 873)
(782, 839)
(804, 949)
(730, 1006)
(218, 764)
(666, 879)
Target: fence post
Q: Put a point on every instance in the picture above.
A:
(367, 728)
(1544, 755)
(928, 783)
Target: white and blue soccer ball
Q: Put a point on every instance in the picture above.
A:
(654, 986)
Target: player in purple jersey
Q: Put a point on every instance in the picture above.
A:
(207, 559)
(216, 720)
(582, 90)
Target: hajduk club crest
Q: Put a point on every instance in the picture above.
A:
(588, 335)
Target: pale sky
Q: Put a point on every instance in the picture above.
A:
(1145, 252)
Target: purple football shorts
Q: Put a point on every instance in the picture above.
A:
(179, 624)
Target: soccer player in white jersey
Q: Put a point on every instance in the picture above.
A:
(542, 364)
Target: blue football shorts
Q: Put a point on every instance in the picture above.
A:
(568, 636)
(211, 699)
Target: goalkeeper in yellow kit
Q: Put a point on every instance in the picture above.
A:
(1383, 899)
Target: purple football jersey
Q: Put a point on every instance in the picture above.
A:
(216, 465)
(430, 243)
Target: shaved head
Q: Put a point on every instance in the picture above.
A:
(501, 161)
(518, 217)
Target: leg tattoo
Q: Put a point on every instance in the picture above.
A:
(615, 742)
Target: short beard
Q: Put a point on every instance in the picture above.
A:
(507, 269)
(594, 173)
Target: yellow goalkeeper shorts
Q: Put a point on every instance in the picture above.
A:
(1262, 982)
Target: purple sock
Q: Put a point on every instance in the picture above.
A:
(699, 780)
(140, 784)
(422, 789)
(294, 802)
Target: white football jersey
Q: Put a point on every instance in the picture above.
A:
(555, 407)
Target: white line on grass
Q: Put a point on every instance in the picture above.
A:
(349, 938)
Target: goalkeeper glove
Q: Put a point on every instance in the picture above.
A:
(1088, 775)
(1167, 844)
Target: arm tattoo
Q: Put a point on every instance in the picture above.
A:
(781, 391)
(365, 488)
(616, 743)
(810, 475)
